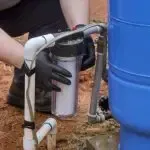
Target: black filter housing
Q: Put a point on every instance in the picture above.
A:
(71, 46)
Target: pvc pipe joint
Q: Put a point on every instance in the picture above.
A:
(49, 127)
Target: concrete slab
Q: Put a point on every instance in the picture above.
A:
(103, 142)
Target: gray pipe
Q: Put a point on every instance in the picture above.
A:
(93, 117)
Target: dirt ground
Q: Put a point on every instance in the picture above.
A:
(71, 133)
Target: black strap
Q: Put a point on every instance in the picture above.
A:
(29, 125)
(27, 71)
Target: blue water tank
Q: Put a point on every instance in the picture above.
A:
(129, 72)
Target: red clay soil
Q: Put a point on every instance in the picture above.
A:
(98, 10)
(71, 133)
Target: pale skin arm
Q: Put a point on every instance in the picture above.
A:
(11, 52)
(75, 11)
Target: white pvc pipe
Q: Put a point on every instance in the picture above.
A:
(48, 126)
(30, 49)
(29, 143)
(34, 44)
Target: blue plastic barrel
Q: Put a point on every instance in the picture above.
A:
(129, 71)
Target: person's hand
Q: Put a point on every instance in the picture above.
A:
(89, 58)
(46, 71)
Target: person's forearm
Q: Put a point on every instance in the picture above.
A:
(11, 51)
(75, 11)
